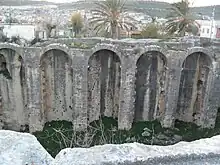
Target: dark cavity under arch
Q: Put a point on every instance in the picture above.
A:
(104, 76)
(150, 86)
(193, 85)
(56, 85)
(3, 67)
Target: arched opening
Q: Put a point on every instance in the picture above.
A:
(150, 86)
(3, 67)
(13, 91)
(56, 86)
(104, 75)
(193, 84)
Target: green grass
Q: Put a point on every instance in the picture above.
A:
(80, 45)
(58, 135)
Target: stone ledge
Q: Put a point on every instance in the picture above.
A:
(24, 149)
(196, 152)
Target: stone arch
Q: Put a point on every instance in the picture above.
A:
(104, 80)
(193, 86)
(4, 67)
(12, 86)
(13, 47)
(208, 52)
(55, 46)
(56, 85)
(109, 47)
(150, 86)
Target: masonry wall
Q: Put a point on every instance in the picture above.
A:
(127, 81)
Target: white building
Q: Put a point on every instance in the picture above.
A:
(209, 28)
(26, 31)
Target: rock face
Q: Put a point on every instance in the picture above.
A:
(205, 151)
(22, 149)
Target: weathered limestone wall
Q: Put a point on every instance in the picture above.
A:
(193, 87)
(13, 91)
(104, 73)
(56, 86)
(130, 81)
(150, 81)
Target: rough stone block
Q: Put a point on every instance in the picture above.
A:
(205, 151)
(22, 149)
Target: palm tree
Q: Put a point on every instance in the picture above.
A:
(180, 19)
(111, 16)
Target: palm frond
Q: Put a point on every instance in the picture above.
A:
(112, 14)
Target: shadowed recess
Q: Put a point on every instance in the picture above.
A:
(150, 86)
(104, 75)
(56, 85)
(193, 86)
(3, 67)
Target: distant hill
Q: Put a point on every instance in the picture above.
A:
(152, 8)
(207, 10)
(23, 2)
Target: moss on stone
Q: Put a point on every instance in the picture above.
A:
(79, 45)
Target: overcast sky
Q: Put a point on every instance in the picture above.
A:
(195, 2)
(199, 2)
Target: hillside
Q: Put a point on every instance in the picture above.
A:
(23, 2)
(208, 11)
(153, 8)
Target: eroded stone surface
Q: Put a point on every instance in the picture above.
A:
(204, 151)
(22, 149)
(56, 80)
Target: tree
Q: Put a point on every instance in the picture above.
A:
(180, 19)
(76, 23)
(49, 28)
(111, 16)
(3, 37)
(151, 31)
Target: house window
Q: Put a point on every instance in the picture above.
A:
(207, 31)
(203, 30)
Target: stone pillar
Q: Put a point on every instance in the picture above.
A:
(69, 88)
(161, 89)
(211, 99)
(108, 111)
(117, 87)
(127, 95)
(36, 118)
(1, 102)
(94, 88)
(80, 67)
(172, 91)
(7, 106)
(146, 104)
(19, 113)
